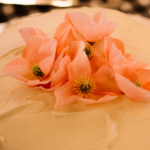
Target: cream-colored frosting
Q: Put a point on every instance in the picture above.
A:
(28, 120)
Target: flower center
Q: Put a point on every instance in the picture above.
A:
(92, 43)
(88, 51)
(137, 83)
(84, 86)
(37, 71)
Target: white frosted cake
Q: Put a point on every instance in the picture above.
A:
(28, 120)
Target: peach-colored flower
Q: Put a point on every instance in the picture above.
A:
(79, 26)
(34, 68)
(97, 60)
(84, 86)
(115, 48)
(130, 75)
(86, 28)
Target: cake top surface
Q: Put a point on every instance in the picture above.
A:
(21, 106)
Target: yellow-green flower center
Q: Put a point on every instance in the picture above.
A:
(84, 86)
(37, 71)
(88, 51)
(137, 84)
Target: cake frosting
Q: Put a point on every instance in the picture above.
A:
(27, 116)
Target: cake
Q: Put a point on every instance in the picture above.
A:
(28, 120)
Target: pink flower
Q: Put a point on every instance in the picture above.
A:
(84, 86)
(34, 68)
(130, 75)
(97, 59)
(85, 28)
(115, 54)
(81, 27)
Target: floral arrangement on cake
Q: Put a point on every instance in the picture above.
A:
(81, 62)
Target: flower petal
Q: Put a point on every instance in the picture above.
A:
(46, 64)
(98, 48)
(80, 66)
(126, 71)
(96, 62)
(79, 21)
(33, 83)
(19, 68)
(47, 87)
(61, 75)
(98, 31)
(65, 95)
(96, 16)
(48, 49)
(138, 64)
(74, 48)
(115, 56)
(47, 55)
(62, 29)
(131, 90)
(35, 42)
(28, 32)
(109, 41)
(103, 99)
(77, 36)
(91, 34)
(64, 36)
(144, 75)
(105, 80)
(59, 59)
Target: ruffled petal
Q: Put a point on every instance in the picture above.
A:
(39, 32)
(105, 80)
(48, 49)
(126, 71)
(96, 62)
(59, 59)
(103, 16)
(28, 32)
(65, 95)
(91, 34)
(144, 75)
(138, 64)
(64, 40)
(20, 69)
(62, 30)
(96, 16)
(74, 48)
(46, 64)
(61, 75)
(98, 31)
(79, 21)
(131, 90)
(47, 53)
(103, 99)
(98, 48)
(115, 57)
(77, 36)
(109, 28)
(110, 41)
(32, 53)
(80, 66)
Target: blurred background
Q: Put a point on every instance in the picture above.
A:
(14, 9)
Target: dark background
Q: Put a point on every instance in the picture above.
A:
(8, 12)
